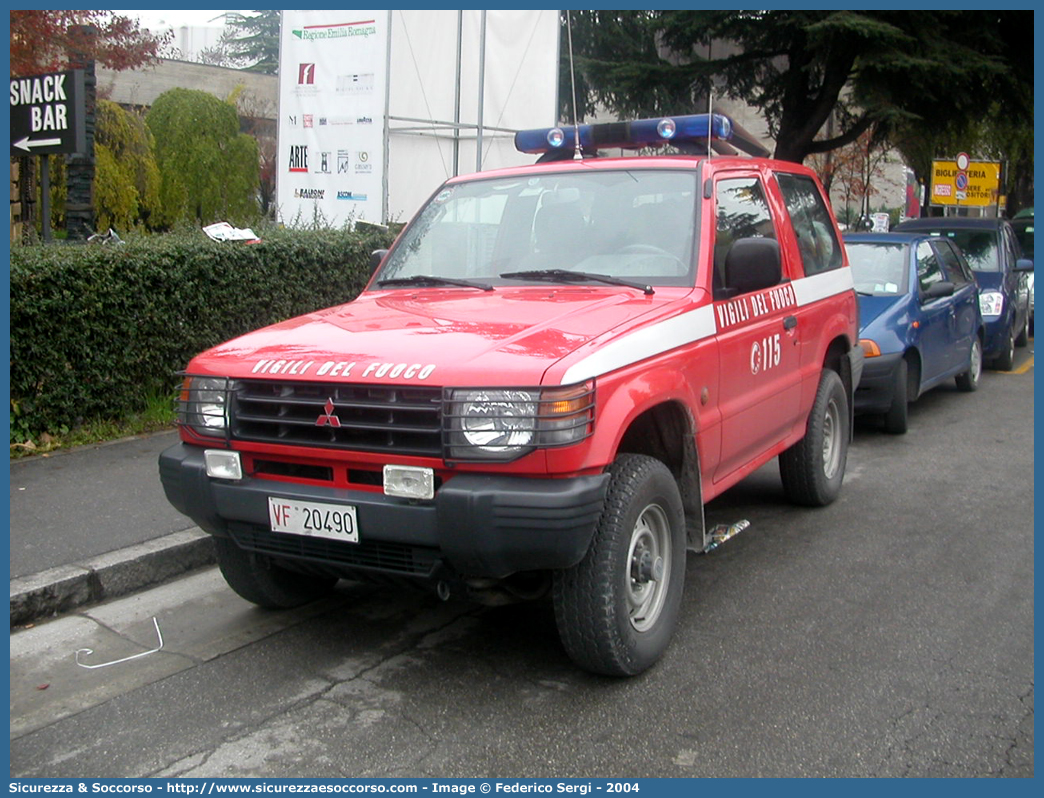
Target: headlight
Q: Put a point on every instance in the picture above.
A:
(506, 423)
(204, 405)
(991, 303)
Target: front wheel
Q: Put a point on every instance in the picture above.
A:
(616, 610)
(813, 468)
(969, 380)
(896, 420)
(262, 581)
(1005, 361)
(1022, 339)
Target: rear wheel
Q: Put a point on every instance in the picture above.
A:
(969, 380)
(813, 468)
(616, 610)
(896, 420)
(261, 581)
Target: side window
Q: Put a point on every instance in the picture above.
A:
(817, 240)
(742, 212)
(928, 270)
(956, 272)
(1011, 244)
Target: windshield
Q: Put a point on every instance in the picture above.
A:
(635, 224)
(878, 269)
(979, 247)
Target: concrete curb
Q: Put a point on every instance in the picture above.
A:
(67, 587)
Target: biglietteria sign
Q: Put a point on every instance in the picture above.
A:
(47, 114)
(963, 181)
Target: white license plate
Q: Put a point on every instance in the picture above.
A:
(313, 519)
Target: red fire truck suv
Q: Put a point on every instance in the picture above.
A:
(549, 374)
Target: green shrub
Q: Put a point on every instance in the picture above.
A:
(208, 170)
(97, 330)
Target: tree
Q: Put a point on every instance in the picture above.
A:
(855, 172)
(220, 54)
(208, 169)
(886, 69)
(42, 38)
(126, 178)
(257, 42)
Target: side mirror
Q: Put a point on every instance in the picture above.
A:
(375, 259)
(938, 290)
(1023, 265)
(753, 264)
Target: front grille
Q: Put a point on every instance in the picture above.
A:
(397, 558)
(406, 420)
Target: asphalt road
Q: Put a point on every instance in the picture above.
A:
(888, 635)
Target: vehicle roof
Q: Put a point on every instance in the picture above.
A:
(885, 238)
(680, 161)
(951, 223)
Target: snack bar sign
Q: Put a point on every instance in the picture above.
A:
(48, 114)
(965, 182)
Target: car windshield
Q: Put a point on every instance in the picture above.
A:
(878, 269)
(978, 246)
(634, 225)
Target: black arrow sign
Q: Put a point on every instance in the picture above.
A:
(48, 114)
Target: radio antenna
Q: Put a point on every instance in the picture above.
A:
(578, 154)
(710, 102)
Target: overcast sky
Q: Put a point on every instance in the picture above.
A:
(161, 20)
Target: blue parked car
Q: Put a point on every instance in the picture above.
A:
(920, 322)
(993, 252)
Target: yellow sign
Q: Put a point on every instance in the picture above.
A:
(977, 184)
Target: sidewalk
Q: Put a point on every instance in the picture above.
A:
(92, 523)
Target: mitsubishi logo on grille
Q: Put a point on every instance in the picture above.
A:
(328, 417)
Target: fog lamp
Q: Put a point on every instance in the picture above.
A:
(409, 482)
(223, 464)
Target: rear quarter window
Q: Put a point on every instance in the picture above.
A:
(817, 238)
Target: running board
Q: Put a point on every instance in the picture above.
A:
(723, 532)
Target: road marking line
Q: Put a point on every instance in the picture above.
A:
(1021, 369)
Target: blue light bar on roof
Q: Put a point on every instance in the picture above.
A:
(689, 129)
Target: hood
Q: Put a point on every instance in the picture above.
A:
(882, 318)
(872, 308)
(989, 280)
(435, 336)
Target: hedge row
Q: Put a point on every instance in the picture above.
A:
(97, 330)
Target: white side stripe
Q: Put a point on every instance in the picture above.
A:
(688, 328)
(645, 343)
(820, 286)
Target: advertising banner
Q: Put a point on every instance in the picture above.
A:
(332, 98)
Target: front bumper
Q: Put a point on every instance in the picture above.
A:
(476, 526)
(877, 387)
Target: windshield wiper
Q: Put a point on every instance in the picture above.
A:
(430, 279)
(568, 276)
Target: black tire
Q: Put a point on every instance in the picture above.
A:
(616, 610)
(261, 581)
(1022, 339)
(813, 468)
(896, 420)
(1006, 360)
(969, 380)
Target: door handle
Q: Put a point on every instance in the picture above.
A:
(789, 322)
